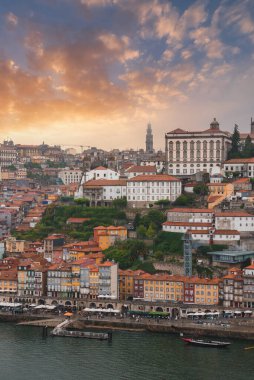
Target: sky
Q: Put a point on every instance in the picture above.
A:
(95, 72)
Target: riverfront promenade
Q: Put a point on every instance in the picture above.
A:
(222, 327)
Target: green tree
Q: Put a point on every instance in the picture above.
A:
(150, 233)
(185, 200)
(248, 150)
(163, 203)
(82, 201)
(235, 144)
(120, 203)
(141, 231)
(137, 219)
(12, 168)
(201, 189)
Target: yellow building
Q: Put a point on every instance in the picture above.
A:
(8, 282)
(94, 281)
(126, 282)
(206, 292)
(163, 287)
(107, 236)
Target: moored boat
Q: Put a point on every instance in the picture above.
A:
(206, 342)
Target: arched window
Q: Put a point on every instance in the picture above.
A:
(198, 149)
(211, 148)
(205, 149)
(185, 145)
(178, 144)
(170, 150)
(192, 148)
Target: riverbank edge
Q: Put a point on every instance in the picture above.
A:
(177, 328)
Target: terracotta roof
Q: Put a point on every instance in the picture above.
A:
(192, 210)
(249, 267)
(77, 220)
(157, 177)
(106, 182)
(239, 161)
(100, 168)
(216, 232)
(232, 214)
(242, 180)
(142, 169)
(187, 224)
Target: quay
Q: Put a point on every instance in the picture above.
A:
(61, 331)
(234, 329)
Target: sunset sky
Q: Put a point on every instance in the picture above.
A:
(94, 72)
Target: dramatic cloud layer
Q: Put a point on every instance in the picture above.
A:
(95, 71)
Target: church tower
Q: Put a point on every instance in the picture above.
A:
(149, 139)
(251, 126)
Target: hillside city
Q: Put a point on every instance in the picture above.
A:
(80, 224)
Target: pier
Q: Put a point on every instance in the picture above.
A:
(60, 330)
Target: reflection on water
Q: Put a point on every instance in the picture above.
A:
(24, 354)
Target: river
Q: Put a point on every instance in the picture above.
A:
(24, 354)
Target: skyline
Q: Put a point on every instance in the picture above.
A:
(70, 68)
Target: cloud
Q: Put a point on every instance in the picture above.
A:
(11, 19)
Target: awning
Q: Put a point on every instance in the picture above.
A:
(93, 310)
(10, 304)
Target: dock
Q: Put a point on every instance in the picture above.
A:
(61, 331)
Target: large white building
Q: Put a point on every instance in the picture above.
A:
(189, 152)
(244, 167)
(70, 176)
(104, 191)
(145, 189)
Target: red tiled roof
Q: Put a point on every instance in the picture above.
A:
(157, 177)
(105, 182)
(77, 220)
(232, 214)
(242, 180)
(142, 169)
(187, 224)
(239, 161)
(192, 210)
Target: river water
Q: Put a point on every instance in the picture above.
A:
(24, 354)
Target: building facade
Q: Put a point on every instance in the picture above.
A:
(190, 152)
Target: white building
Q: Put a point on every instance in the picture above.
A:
(104, 191)
(136, 170)
(101, 173)
(108, 280)
(191, 215)
(235, 220)
(70, 176)
(242, 166)
(182, 227)
(190, 152)
(145, 189)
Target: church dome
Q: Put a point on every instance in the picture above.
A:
(214, 124)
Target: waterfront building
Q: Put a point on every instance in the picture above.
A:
(107, 236)
(59, 281)
(190, 152)
(144, 190)
(163, 288)
(32, 279)
(128, 280)
(108, 280)
(205, 291)
(8, 282)
(233, 288)
(248, 286)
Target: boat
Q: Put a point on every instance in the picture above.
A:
(206, 342)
